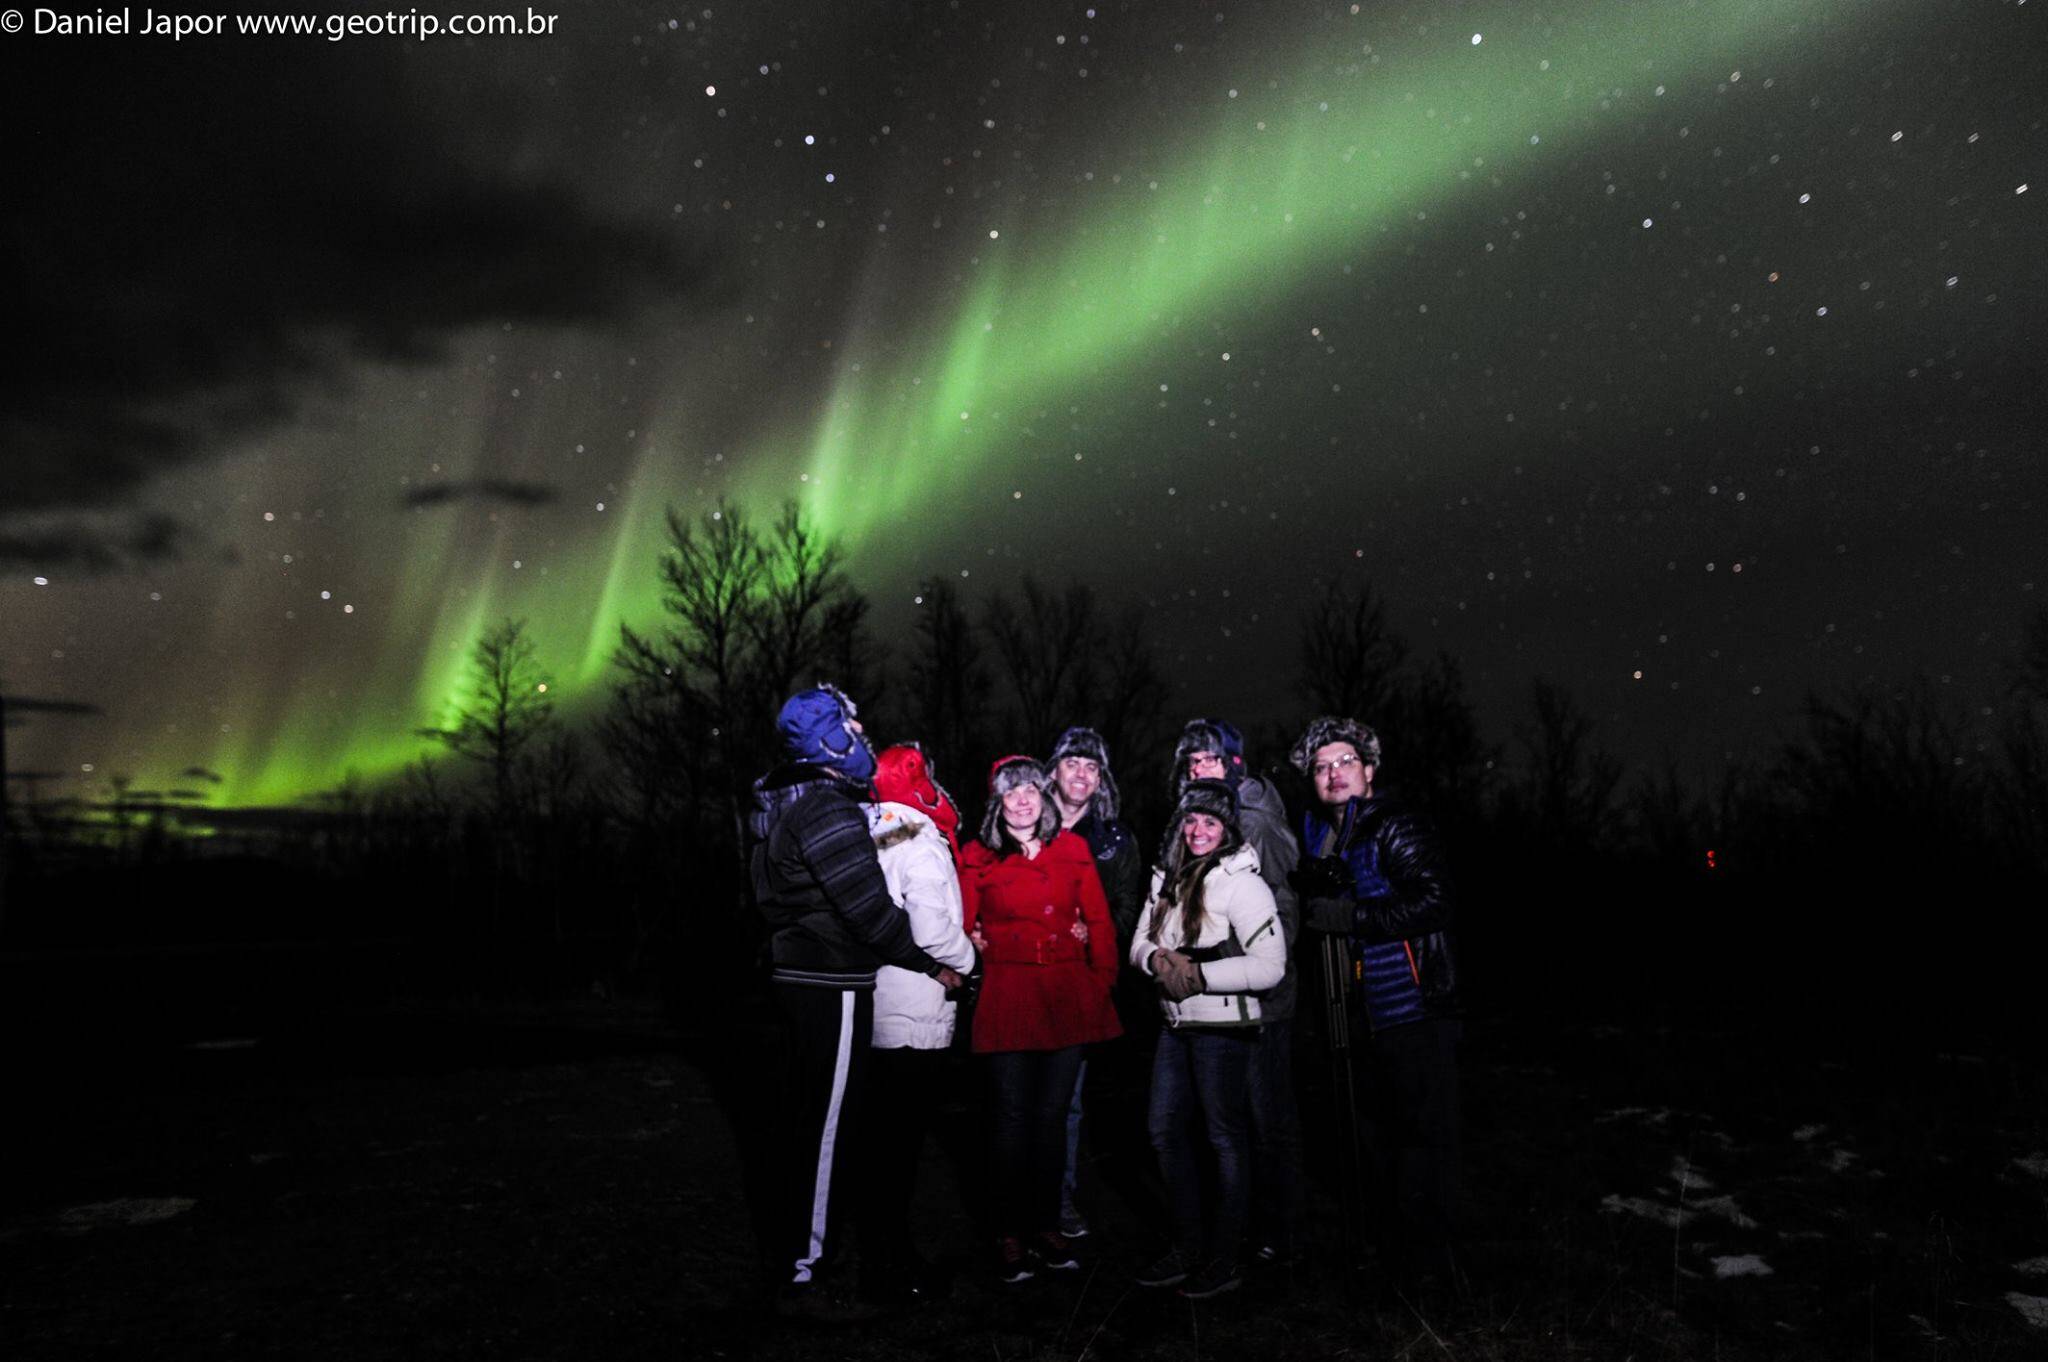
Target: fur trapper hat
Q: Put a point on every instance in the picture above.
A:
(1088, 744)
(817, 727)
(1004, 776)
(1209, 735)
(1328, 729)
(1214, 797)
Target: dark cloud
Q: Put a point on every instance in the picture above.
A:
(195, 237)
(84, 546)
(24, 704)
(200, 773)
(482, 490)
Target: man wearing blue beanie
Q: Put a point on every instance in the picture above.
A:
(818, 882)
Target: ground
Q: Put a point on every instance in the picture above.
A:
(572, 1180)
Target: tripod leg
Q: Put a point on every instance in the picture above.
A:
(1337, 1022)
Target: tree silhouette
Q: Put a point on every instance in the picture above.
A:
(949, 680)
(505, 707)
(1132, 689)
(1049, 650)
(23, 705)
(804, 612)
(748, 620)
(1567, 793)
(1438, 758)
(1350, 656)
(1873, 762)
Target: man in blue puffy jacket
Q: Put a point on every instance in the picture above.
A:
(1372, 874)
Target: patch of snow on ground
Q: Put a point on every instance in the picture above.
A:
(1646, 1115)
(1839, 1159)
(2037, 1164)
(2033, 1309)
(2033, 1267)
(1725, 1207)
(1616, 1204)
(1741, 1265)
(1687, 1175)
(128, 1210)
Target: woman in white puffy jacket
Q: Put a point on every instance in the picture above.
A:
(914, 826)
(1210, 936)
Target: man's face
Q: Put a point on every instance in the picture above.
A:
(1338, 773)
(1079, 779)
(1205, 766)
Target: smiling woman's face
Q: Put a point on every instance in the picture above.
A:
(1202, 832)
(1021, 808)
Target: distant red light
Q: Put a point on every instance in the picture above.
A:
(1711, 864)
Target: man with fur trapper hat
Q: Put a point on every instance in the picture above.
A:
(816, 879)
(1084, 792)
(1211, 749)
(1376, 878)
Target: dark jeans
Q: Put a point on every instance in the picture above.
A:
(1119, 1095)
(1071, 1178)
(904, 1089)
(1201, 1094)
(1276, 1139)
(828, 1031)
(1410, 1094)
(1029, 1093)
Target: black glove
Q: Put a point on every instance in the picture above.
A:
(970, 986)
(1323, 877)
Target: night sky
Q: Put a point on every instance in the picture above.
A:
(1688, 355)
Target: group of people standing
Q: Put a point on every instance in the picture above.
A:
(1179, 983)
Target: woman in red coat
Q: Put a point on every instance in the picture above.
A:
(1035, 908)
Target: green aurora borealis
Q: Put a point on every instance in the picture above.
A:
(1272, 197)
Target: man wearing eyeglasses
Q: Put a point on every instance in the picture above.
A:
(1374, 878)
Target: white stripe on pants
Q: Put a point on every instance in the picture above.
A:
(828, 1139)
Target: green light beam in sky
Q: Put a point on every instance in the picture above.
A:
(1273, 188)
(1239, 226)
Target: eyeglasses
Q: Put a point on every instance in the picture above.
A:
(1329, 768)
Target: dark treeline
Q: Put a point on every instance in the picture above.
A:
(1855, 864)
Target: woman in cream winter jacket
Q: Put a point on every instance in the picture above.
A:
(912, 1011)
(913, 827)
(1210, 937)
